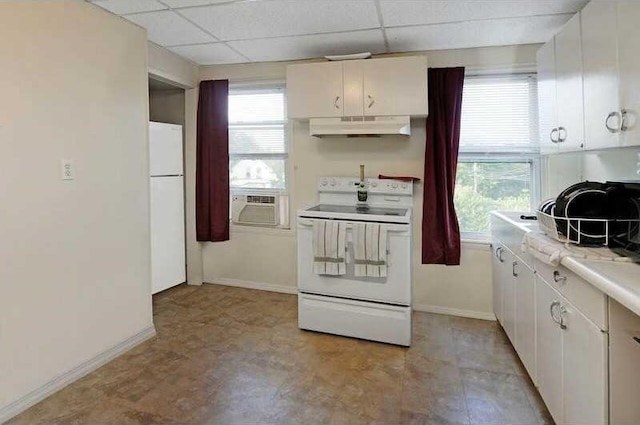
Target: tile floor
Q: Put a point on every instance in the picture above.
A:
(235, 356)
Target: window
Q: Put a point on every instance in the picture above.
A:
(258, 144)
(498, 165)
(258, 149)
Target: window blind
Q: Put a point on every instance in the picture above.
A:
(499, 114)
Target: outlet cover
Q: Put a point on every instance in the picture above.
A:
(68, 171)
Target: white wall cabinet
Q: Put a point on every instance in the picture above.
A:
(629, 70)
(600, 70)
(561, 91)
(547, 105)
(368, 87)
(315, 90)
(597, 50)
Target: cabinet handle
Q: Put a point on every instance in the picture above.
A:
(613, 130)
(371, 101)
(559, 318)
(623, 120)
(553, 140)
(335, 102)
(557, 278)
(499, 252)
(514, 266)
(560, 138)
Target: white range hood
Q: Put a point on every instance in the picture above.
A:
(360, 126)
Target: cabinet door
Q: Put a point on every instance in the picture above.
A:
(569, 86)
(629, 68)
(525, 321)
(497, 267)
(548, 351)
(547, 108)
(584, 370)
(624, 373)
(353, 75)
(508, 295)
(395, 86)
(314, 90)
(600, 70)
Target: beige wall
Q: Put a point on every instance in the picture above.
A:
(268, 256)
(74, 255)
(169, 67)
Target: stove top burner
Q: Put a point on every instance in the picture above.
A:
(352, 209)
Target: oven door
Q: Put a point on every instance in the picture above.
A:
(394, 289)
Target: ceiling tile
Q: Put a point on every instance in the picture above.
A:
(311, 46)
(276, 18)
(411, 12)
(209, 54)
(460, 35)
(176, 4)
(122, 7)
(168, 29)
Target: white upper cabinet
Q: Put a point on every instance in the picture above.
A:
(315, 90)
(547, 108)
(600, 69)
(560, 91)
(395, 86)
(629, 70)
(369, 87)
(597, 78)
(569, 87)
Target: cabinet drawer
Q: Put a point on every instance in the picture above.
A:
(511, 237)
(584, 296)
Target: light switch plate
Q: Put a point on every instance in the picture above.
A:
(68, 171)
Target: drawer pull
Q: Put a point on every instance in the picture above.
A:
(499, 252)
(557, 311)
(557, 278)
(514, 269)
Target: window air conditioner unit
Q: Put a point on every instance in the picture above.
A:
(256, 209)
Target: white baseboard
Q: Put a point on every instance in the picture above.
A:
(454, 312)
(15, 408)
(254, 285)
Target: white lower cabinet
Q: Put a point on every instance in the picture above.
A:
(584, 370)
(548, 351)
(559, 331)
(525, 317)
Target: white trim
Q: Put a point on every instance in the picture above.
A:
(284, 289)
(23, 403)
(471, 314)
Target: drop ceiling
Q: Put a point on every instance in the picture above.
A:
(212, 32)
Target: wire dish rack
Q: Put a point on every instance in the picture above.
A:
(588, 231)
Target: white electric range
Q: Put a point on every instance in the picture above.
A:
(374, 308)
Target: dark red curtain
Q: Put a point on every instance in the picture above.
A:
(440, 230)
(212, 163)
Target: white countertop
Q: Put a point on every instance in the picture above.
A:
(619, 280)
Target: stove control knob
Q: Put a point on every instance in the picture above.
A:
(333, 182)
(323, 182)
(374, 184)
(404, 185)
(394, 185)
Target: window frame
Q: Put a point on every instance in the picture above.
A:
(498, 154)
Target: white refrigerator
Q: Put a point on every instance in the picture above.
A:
(168, 265)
